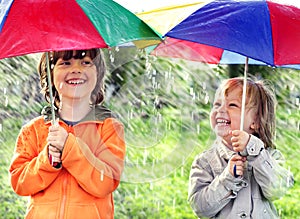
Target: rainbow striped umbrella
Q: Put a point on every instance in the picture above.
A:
(230, 32)
(227, 31)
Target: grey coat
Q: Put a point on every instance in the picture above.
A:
(215, 193)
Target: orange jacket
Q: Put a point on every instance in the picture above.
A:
(92, 162)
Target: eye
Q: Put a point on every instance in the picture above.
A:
(216, 104)
(233, 105)
(87, 62)
(63, 62)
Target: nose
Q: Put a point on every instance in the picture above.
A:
(222, 108)
(76, 66)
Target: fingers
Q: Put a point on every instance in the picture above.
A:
(238, 170)
(239, 140)
(235, 172)
(54, 151)
(57, 136)
(236, 165)
(54, 154)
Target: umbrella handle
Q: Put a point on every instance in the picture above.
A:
(54, 164)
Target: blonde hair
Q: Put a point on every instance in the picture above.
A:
(260, 97)
(97, 95)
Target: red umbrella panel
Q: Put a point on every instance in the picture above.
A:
(37, 26)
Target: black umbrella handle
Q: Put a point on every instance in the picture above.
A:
(56, 165)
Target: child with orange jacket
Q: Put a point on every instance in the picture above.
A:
(87, 142)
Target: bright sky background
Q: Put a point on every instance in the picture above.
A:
(146, 5)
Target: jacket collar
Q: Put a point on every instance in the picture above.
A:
(98, 113)
(224, 151)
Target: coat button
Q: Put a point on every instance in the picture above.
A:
(243, 215)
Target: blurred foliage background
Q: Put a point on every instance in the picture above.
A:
(164, 105)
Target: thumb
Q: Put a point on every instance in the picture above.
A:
(55, 123)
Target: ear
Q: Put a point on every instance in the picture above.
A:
(254, 126)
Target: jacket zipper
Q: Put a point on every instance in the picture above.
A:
(64, 198)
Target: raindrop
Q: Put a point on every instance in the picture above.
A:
(1, 128)
(198, 129)
(182, 171)
(153, 163)
(288, 178)
(151, 186)
(158, 118)
(204, 86)
(191, 91)
(136, 192)
(117, 49)
(120, 77)
(111, 56)
(206, 99)
(153, 82)
(4, 90)
(169, 125)
(148, 67)
(174, 203)
(6, 101)
(145, 157)
(297, 101)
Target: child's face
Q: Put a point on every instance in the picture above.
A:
(226, 114)
(75, 78)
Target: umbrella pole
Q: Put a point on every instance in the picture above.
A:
(50, 88)
(244, 95)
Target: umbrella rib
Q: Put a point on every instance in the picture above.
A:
(244, 95)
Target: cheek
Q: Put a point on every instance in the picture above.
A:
(58, 82)
(212, 116)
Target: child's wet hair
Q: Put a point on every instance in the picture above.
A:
(260, 97)
(96, 55)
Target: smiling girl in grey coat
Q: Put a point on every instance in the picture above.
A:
(240, 175)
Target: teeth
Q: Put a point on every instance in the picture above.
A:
(223, 121)
(75, 81)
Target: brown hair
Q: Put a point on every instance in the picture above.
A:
(261, 98)
(96, 55)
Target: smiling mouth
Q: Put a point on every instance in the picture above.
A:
(75, 81)
(223, 122)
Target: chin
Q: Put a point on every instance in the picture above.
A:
(222, 132)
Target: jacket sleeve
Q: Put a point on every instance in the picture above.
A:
(97, 172)
(273, 179)
(208, 194)
(30, 170)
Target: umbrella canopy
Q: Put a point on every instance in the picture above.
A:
(264, 30)
(37, 26)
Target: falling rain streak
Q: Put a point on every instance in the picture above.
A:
(153, 118)
(163, 107)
